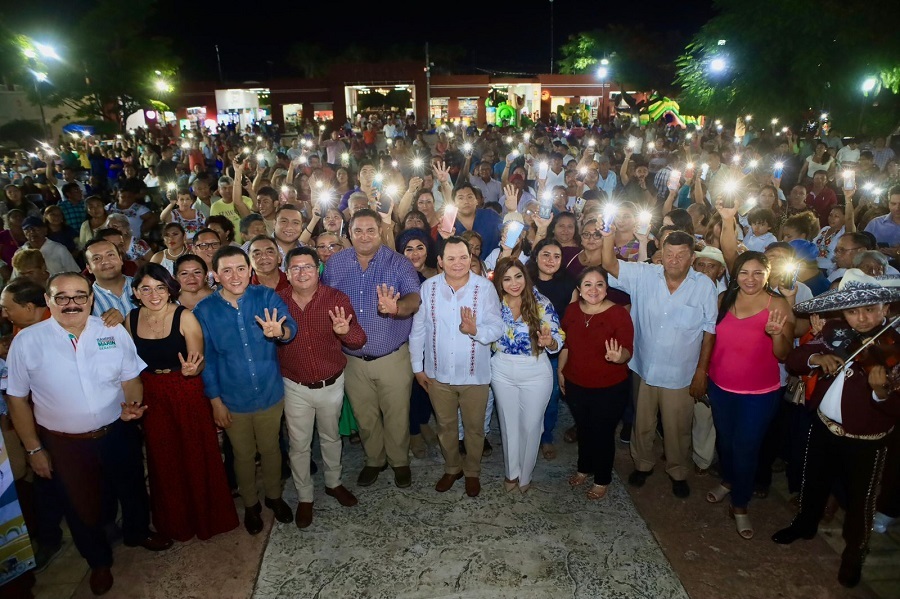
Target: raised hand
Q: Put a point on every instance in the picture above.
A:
(272, 326)
(387, 300)
(467, 321)
(614, 352)
(415, 184)
(545, 339)
(816, 324)
(441, 172)
(776, 322)
(191, 366)
(340, 322)
(511, 197)
(726, 212)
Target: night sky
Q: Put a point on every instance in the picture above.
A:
(253, 38)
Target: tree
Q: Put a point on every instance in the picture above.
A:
(107, 69)
(637, 59)
(310, 59)
(793, 60)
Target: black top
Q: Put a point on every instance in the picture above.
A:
(559, 291)
(160, 354)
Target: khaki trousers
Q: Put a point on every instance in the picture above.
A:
(471, 403)
(305, 409)
(676, 408)
(379, 392)
(251, 433)
(703, 436)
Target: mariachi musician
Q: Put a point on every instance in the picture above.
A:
(857, 400)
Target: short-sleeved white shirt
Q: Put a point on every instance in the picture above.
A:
(76, 387)
(668, 327)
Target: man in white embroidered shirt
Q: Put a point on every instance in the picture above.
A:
(84, 380)
(450, 352)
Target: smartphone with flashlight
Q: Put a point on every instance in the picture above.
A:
(514, 230)
(448, 220)
(579, 205)
(849, 180)
(543, 169)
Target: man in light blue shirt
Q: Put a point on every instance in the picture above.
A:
(674, 311)
(112, 289)
(886, 229)
(242, 324)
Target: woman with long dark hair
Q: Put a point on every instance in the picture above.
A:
(754, 332)
(521, 375)
(188, 491)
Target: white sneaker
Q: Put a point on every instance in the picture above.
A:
(881, 522)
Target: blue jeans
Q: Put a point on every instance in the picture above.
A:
(741, 422)
(551, 414)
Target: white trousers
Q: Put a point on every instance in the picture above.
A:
(522, 387)
(305, 408)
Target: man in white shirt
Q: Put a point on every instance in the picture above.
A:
(57, 257)
(674, 309)
(450, 350)
(83, 378)
(112, 289)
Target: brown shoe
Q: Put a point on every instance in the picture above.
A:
(152, 542)
(473, 486)
(344, 497)
(369, 474)
(101, 580)
(304, 514)
(402, 476)
(446, 482)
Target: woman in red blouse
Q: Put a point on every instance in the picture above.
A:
(593, 375)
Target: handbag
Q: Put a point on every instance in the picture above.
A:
(795, 392)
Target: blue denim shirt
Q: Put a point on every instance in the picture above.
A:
(241, 363)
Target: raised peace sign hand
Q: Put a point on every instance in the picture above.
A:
(272, 327)
(191, 366)
(776, 323)
(340, 322)
(545, 339)
(387, 300)
(614, 352)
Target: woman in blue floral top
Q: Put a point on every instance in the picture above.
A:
(521, 374)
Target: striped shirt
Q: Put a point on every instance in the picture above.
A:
(105, 300)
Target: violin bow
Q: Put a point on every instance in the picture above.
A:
(871, 340)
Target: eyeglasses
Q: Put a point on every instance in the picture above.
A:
(301, 268)
(63, 300)
(147, 290)
(213, 245)
(595, 235)
(328, 246)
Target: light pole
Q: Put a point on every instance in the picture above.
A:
(162, 87)
(868, 87)
(602, 74)
(39, 76)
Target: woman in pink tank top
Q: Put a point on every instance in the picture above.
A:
(754, 332)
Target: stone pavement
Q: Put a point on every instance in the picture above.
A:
(551, 542)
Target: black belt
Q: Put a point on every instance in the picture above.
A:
(95, 434)
(322, 384)
(370, 358)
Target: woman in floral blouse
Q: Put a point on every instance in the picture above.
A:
(521, 374)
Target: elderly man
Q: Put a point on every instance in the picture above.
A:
(266, 261)
(383, 287)
(83, 378)
(491, 189)
(112, 289)
(242, 324)
(674, 310)
(312, 366)
(450, 351)
(56, 256)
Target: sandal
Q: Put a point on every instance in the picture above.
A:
(571, 435)
(597, 492)
(742, 522)
(510, 485)
(718, 494)
(548, 451)
(578, 479)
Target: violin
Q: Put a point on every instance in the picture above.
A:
(879, 349)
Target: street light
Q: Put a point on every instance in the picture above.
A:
(869, 84)
(717, 65)
(602, 74)
(162, 86)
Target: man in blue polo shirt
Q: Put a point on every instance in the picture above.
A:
(470, 217)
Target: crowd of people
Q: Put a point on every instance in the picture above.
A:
(717, 291)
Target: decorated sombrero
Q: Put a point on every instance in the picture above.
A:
(856, 289)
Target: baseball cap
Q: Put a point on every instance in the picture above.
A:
(31, 222)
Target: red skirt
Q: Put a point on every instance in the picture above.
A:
(189, 495)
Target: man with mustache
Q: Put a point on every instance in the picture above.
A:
(83, 378)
